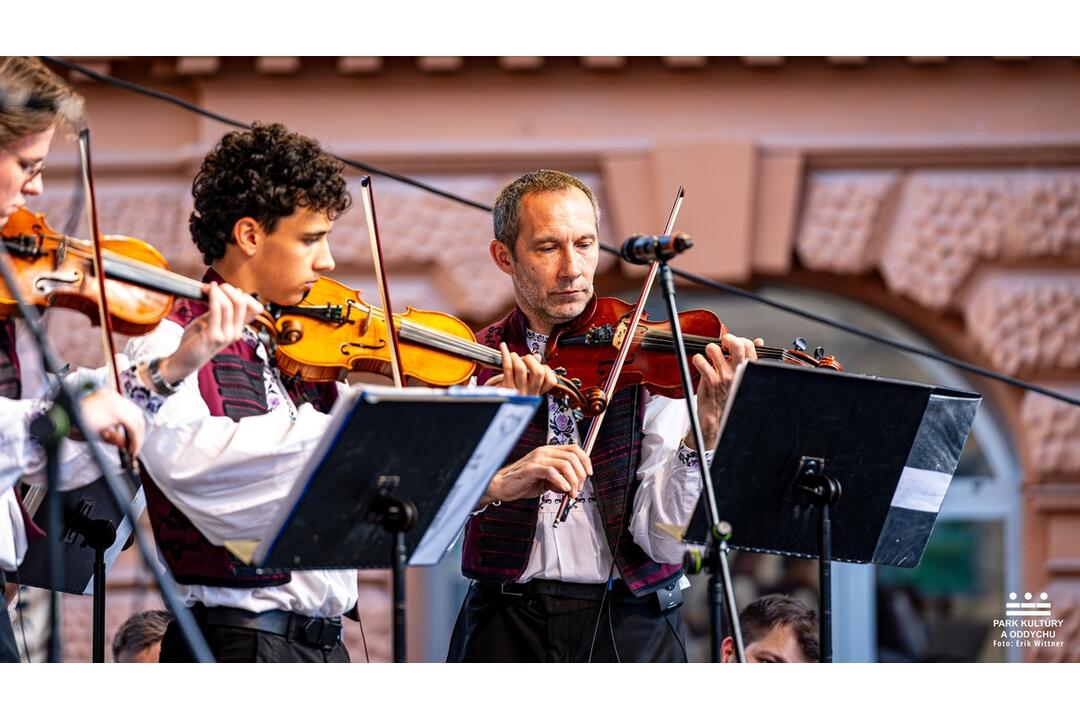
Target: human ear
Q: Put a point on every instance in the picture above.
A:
(248, 235)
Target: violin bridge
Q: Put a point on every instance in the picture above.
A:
(366, 321)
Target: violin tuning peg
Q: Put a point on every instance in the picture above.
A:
(578, 416)
(819, 352)
(799, 344)
(560, 371)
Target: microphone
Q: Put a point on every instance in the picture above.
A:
(643, 249)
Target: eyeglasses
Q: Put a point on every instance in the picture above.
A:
(30, 168)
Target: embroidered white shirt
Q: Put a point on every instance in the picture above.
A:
(577, 551)
(229, 478)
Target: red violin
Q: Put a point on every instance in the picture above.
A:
(587, 348)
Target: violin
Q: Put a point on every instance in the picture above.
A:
(334, 330)
(56, 270)
(587, 347)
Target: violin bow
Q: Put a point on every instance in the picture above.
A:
(105, 319)
(624, 351)
(380, 275)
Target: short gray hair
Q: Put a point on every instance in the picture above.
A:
(507, 211)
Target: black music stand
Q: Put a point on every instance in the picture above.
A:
(874, 455)
(393, 482)
(94, 532)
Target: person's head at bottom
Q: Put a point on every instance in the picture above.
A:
(139, 639)
(776, 628)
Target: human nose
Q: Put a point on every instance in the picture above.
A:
(324, 262)
(571, 265)
(34, 186)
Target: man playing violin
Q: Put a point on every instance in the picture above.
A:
(605, 584)
(34, 102)
(225, 451)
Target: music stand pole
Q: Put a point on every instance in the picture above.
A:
(100, 534)
(716, 553)
(48, 429)
(397, 516)
(821, 491)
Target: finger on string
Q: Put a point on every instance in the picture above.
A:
(521, 374)
(707, 371)
(536, 374)
(240, 309)
(507, 362)
(225, 306)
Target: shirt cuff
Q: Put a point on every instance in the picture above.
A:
(493, 503)
(689, 457)
(37, 450)
(149, 400)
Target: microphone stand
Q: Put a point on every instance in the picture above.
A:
(715, 560)
(50, 428)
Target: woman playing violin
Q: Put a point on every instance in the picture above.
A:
(34, 103)
(538, 589)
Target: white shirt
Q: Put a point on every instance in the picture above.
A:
(229, 478)
(23, 459)
(670, 484)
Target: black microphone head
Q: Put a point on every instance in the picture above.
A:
(682, 241)
(631, 250)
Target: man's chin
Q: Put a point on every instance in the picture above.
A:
(566, 311)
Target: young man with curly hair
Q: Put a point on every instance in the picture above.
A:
(221, 456)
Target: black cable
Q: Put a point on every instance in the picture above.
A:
(678, 637)
(717, 285)
(180, 102)
(631, 471)
(599, 614)
(611, 631)
(158, 95)
(360, 620)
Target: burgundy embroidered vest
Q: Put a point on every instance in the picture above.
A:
(499, 540)
(232, 386)
(11, 387)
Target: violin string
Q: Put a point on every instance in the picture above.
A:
(166, 279)
(443, 340)
(762, 351)
(692, 277)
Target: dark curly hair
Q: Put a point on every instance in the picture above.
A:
(265, 173)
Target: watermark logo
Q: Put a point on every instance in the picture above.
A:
(1028, 608)
(1028, 623)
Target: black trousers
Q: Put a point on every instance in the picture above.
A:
(557, 624)
(242, 645)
